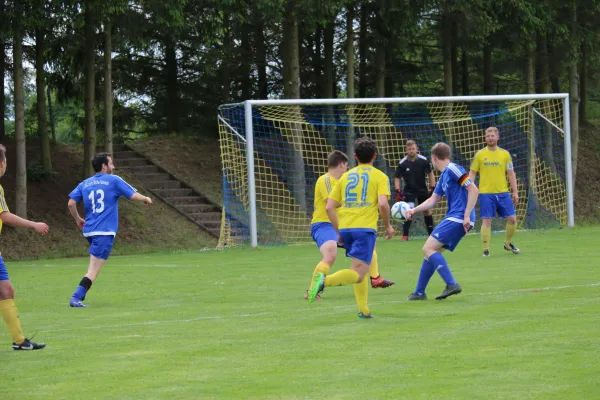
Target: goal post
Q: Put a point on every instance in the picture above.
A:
(273, 151)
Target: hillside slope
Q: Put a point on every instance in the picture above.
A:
(142, 228)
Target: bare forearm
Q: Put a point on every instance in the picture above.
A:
(472, 175)
(397, 183)
(332, 214)
(74, 213)
(16, 221)
(384, 211)
(473, 192)
(431, 180)
(138, 197)
(427, 204)
(512, 178)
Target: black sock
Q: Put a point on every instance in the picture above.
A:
(406, 227)
(86, 283)
(429, 223)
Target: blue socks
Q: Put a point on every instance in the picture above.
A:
(427, 270)
(439, 263)
(79, 293)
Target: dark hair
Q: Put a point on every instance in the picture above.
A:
(441, 151)
(365, 148)
(410, 143)
(99, 160)
(335, 158)
(2, 153)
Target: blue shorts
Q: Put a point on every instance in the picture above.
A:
(359, 243)
(449, 233)
(3, 271)
(489, 204)
(322, 232)
(100, 246)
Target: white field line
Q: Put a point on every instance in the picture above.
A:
(319, 309)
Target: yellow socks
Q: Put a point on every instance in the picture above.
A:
(374, 267)
(321, 267)
(341, 278)
(510, 232)
(361, 292)
(11, 318)
(486, 235)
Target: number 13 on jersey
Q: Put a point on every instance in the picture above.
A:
(353, 181)
(97, 199)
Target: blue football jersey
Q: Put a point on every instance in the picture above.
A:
(100, 195)
(452, 184)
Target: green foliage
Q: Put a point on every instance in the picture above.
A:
(36, 171)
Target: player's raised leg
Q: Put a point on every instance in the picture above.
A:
(100, 248)
(328, 252)
(433, 252)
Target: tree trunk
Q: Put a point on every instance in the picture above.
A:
(2, 95)
(446, 56)
(108, 93)
(454, 58)
(291, 62)
(362, 50)
(41, 99)
(388, 81)
(328, 60)
(90, 76)
(583, 83)
(530, 71)
(317, 62)
(488, 76)
(261, 56)
(553, 61)
(21, 153)
(380, 69)
(465, 72)
(542, 72)
(350, 52)
(51, 114)
(574, 86)
(226, 64)
(246, 66)
(172, 92)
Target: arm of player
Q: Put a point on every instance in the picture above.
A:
(472, 175)
(331, 209)
(140, 197)
(512, 178)
(426, 205)
(431, 181)
(13, 220)
(384, 211)
(73, 210)
(473, 192)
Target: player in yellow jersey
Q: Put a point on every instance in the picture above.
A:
(494, 165)
(7, 292)
(321, 230)
(353, 207)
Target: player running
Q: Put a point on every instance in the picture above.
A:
(100, 195)
(321, 230)
(353, 207)
(461, 194)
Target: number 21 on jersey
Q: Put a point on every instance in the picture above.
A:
(97, 199)
(353, 180)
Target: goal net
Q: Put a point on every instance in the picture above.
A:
(273, 152)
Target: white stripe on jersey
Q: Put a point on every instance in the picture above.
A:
(132, 188)
(404, 159)
(455, 169)
(460, 221)
(422, 157)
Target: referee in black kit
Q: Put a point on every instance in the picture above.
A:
(416, 171)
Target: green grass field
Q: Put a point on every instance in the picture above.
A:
(232, 324)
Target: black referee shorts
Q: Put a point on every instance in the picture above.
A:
(416, 197)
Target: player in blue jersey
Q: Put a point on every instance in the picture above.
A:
(461, 194)
(100, 195)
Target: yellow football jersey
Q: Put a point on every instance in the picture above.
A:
(492, 166)
(323, 188)
(358, 192)
(3, 205)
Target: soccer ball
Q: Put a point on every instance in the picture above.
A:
(399, 210)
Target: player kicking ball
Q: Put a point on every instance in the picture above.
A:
(353, 207)
(461, 193)
(100, 195)
(321, 229)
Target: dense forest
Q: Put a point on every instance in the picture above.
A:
(92, 72)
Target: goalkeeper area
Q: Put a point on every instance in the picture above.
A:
(232, 324)
(274, 151)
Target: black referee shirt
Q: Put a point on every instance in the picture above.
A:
(415, 174)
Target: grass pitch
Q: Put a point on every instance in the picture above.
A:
(232, 324)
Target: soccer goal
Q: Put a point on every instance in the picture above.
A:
(273, 151)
